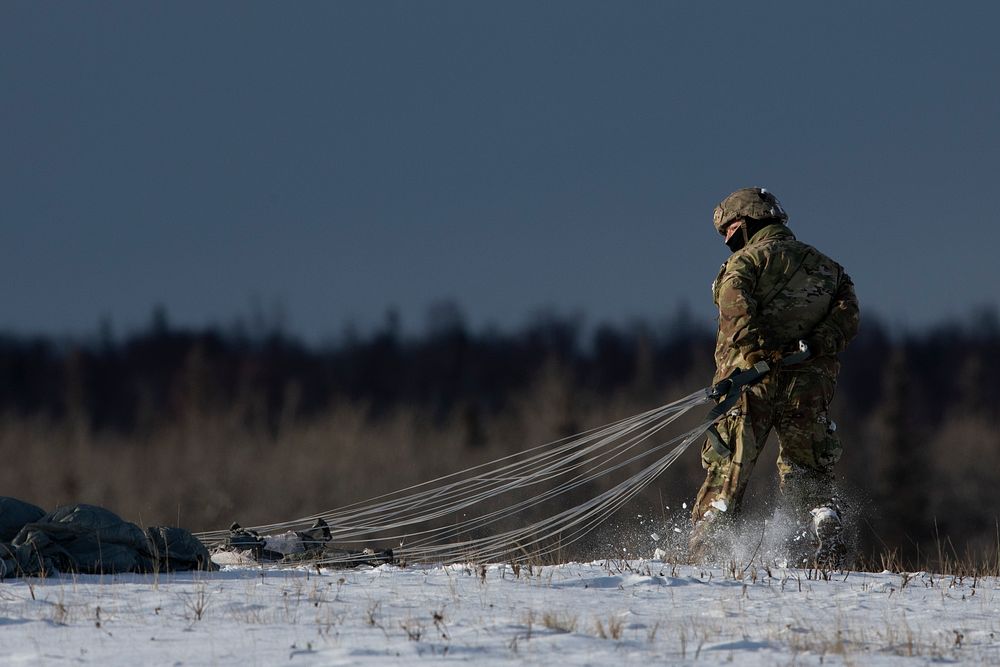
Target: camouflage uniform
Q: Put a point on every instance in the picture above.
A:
(772, 293)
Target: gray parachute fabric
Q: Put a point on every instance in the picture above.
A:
(14, 514)
(176, 549)
(81, 538)
(93, 540)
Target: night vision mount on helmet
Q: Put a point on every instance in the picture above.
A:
(756, 203)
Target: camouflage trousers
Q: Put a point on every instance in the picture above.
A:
(794, 403)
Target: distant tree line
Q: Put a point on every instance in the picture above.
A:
(162, 373)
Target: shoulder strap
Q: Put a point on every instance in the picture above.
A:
(784, 283)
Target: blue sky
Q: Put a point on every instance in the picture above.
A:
(334, 160)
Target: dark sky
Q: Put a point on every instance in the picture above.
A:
(338, 159)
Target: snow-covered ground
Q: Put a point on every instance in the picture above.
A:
(604, 613)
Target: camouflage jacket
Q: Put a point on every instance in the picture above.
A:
(776, 291)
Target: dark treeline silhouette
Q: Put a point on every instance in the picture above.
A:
(156, 376)
(199, 422)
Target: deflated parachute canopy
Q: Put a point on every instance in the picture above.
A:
(90, 540)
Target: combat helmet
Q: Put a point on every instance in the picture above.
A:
(756, 203)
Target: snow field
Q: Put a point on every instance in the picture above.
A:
(610, 612)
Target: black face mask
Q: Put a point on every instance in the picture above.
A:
(746, 232)
(738, 239)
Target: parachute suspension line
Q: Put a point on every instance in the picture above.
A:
(482, 497)
(546, 473)
(550, 535)
(436, 488)
(558, 463)
(595, 471)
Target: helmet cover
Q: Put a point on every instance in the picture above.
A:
(756, 203)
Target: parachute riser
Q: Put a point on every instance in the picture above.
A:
(728, 392)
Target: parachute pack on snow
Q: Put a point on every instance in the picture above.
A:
(90, 540)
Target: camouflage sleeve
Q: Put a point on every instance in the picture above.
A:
(738, 324)
(832, 335)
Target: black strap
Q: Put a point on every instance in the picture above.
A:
(729, 391)
(777, 290)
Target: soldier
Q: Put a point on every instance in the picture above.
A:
(773, 292)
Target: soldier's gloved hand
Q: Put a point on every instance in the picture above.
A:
(772, 357)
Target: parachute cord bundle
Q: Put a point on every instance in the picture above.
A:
(474, 502)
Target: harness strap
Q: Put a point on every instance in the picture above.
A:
(729, 391)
